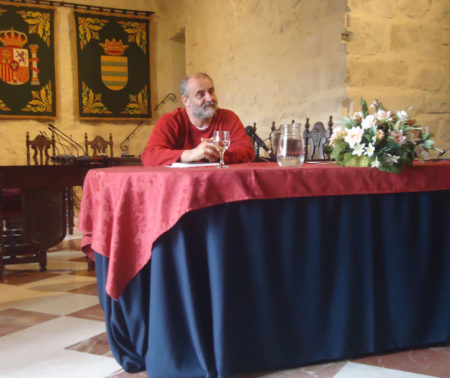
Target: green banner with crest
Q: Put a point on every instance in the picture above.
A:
(27, 61)
(113, 65)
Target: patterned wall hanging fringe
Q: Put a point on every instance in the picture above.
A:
(85, 7)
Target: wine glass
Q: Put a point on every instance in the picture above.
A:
(221, 141)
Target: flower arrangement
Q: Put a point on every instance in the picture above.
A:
(384, 140)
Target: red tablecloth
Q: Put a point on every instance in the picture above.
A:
(125, 209)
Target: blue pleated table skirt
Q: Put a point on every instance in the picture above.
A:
(274, 284)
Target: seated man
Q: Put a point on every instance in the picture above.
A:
(186, 133)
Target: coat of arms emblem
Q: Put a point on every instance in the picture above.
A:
(14, 59)
(114, 66)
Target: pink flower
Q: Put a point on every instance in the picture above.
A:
(413, 136)
(398, 136)
(337, 132)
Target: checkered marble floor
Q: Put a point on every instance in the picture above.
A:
(51, 326)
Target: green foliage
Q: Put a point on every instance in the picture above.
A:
(365, 109)
(88, 29)
(386, 140)
(92, 103)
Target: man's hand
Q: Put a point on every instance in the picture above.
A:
(205, 150)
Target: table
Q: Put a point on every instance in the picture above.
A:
(259, 268)
(43, 189)
(47, 202)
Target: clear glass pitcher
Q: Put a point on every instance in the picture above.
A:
(290, 151)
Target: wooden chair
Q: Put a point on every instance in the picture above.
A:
(98, 145)
(16, 249)
(41, 145)
(315, 140)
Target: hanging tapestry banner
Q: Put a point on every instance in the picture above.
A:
(27, 61)
(113, 65)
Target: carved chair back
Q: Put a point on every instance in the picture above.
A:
(98, 146)
(43, 149)
(315, 140)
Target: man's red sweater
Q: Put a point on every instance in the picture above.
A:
(174, 133)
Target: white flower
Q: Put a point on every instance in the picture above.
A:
(368, 122)
(402, 116)
(383, 115)
(358, 116)
(369, 150)
(391, 159)
(354, 136)
(425, 130)
(386, 140)
(375, 164)
(376, 104)
(421, 153)
(358, 149)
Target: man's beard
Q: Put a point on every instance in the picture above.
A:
(207, 110)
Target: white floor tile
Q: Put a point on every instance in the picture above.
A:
(64, 364)
(65, 331)
(355, 370)
(76, 235)
(39, 351)
(51, 302)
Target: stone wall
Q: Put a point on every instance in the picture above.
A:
(399, 52)
(271, 60)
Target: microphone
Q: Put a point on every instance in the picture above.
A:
(250, 131)
(59, 158)
(67, 138)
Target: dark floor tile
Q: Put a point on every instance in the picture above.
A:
(91, 313)
(12, 320)
(84, 273)
(81, 259)
(430, 361)
(87, 290)
(94, 345)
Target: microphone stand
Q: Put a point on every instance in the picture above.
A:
(169, 96)
(72, 142)
(59, 158)
(259, 143)
(125, 145)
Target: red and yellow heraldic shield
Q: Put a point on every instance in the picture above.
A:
(14, 65)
